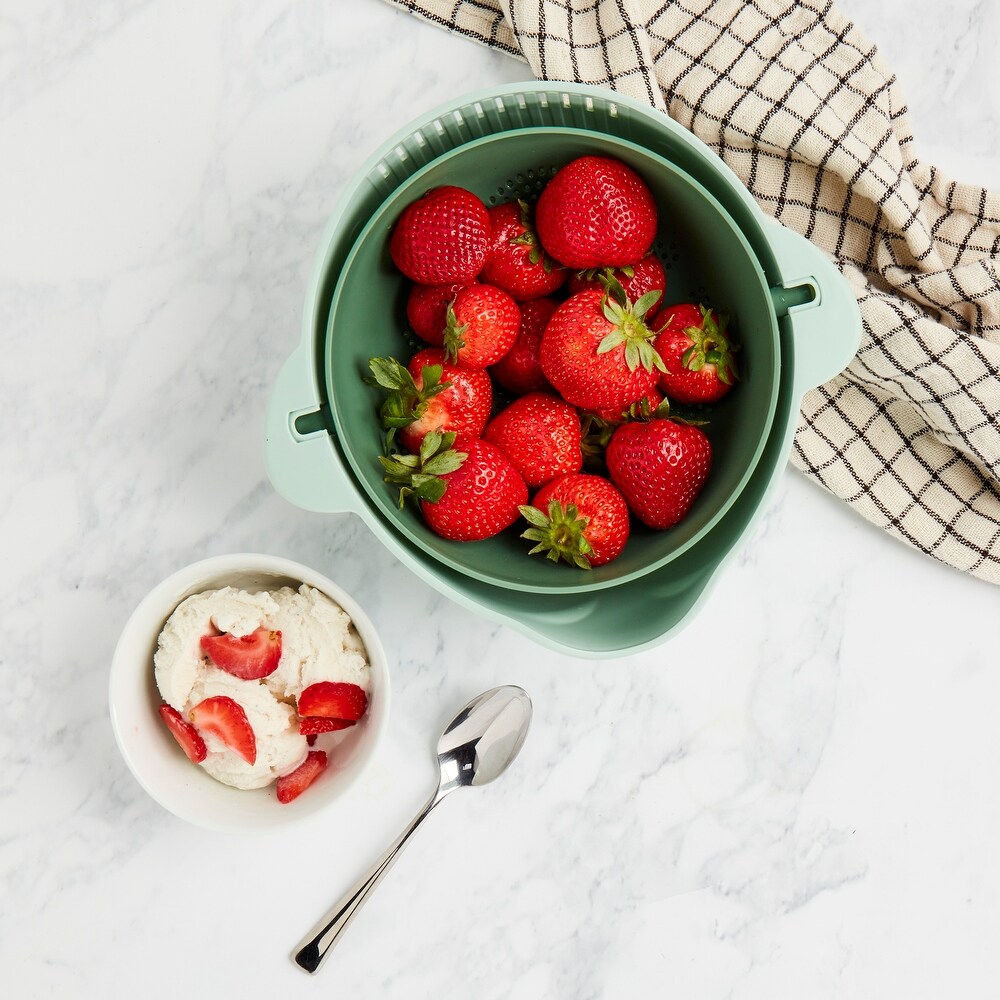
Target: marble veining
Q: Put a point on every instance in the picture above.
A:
(795, 797)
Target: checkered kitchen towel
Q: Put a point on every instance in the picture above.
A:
(797, 103)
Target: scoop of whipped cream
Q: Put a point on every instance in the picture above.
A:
(318, 643)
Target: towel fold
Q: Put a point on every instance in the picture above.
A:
(798, 103)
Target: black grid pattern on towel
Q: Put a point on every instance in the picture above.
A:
(797, 102)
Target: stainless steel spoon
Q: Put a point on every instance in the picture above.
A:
(478, 745)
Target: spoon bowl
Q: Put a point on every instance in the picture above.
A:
(484, 738)
(476, 747)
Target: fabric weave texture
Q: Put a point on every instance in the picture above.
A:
(797, 102)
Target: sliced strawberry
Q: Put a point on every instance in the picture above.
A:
(333, 700)
(248, 657)
(185, 734)
(291, 786)
(225, 719)
(311, 739)
(310, 725)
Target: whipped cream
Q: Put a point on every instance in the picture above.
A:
(318, 643)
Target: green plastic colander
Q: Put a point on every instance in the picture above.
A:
(314, 458)
(709, 261)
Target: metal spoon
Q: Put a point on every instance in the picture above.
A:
(478, 745)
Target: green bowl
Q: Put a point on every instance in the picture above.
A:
(708, 260)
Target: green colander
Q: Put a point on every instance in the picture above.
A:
(708, 260)
(815, 315)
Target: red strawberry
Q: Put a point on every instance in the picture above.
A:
(291, 786)
(648, 275)
(310, 725)
(520, 369)
(249, 657)
(596, 212)
(442, 237)
(516, 262)
(427, 309)
(581, 519)
(466, 493)
(598, 352)
(482, 495)
(482, 325)
(225, 719)
(698, 355)
(540, 434)
(431, 394)
(333, 700)
(185, 734)
(660, 467)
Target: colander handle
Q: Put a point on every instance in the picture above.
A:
(824, 314)
(299, 453)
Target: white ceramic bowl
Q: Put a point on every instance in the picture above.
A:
(153, 755)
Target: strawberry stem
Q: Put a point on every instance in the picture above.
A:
(710, 345)
(453, 339)
(559, 534)
(419, 476)
(529, 238)
(629, 327)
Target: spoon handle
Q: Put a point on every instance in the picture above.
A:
(313, 948)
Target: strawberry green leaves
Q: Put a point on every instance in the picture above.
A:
(711, 346)
(453, 331)
(404, 402)
(529, 238)
(419, 476)
(416, 475)
(628, 326)
(559, 534)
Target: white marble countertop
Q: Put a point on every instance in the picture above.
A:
(796, 797)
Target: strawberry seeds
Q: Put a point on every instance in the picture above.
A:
(561, 305)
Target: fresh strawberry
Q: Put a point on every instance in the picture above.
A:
(442, 237)
(698, 355)
(431, 394)
(249, 657)
(185, 734)
(598, 352)
(540, 434)
(310, 725)
(482, 325)
(333, 700)
(520, 369)
(482, 496)
(660, 467)
(427, 310)
(466, 493)
(291, 786)
(516, 262)
(581, 519)
(225, 719)
(596, 212)
(648, 275)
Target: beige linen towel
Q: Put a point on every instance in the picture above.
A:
(796, 101)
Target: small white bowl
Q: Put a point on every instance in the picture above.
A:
(153, 755)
